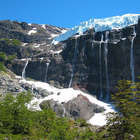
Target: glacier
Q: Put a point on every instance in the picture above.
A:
(116, 22)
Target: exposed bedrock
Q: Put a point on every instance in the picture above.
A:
(80, 56)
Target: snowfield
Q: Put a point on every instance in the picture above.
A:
(64, 96)
(116, 22)
(33, 31)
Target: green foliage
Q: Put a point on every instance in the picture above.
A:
(13, 42)
(17, 122)
(3, 56)
(2, 67)
(125, 124)
(11, 57)
(6, 40)
(14, 115)
(4, 60)
(81, 122)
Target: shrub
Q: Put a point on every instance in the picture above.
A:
(3, 56)
(15, 42)
(11, 57)
(17, 122)
(2, 67)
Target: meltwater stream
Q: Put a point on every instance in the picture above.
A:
(24, 69)
(132, 57)
(73, 63)
(100, 66)
(106, 65)
(46, 76)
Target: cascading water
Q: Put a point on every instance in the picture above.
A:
(64, 111)
(46, 76)
(106, 66)
(73, 63)
(132, 56)
(100, 66)
(24, 69)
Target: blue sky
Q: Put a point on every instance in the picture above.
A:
(64, 13)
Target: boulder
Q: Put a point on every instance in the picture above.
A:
(79, 107)
(55, 106)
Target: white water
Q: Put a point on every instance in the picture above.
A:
(46, 76)
(24, 69)
(132, 57)
(106, 66)
(100, 66)
(73, 63)
(64, 111)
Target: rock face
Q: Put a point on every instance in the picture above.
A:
(9, 84)
(55, 106)
(38, 92)
(78, 59)
(28, 33)
(79, 107)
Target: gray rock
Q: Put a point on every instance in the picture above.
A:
(79, 107)
(9, 84)
(55, 106)
(36, 91)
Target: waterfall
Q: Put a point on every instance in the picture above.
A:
(132, 57)
(100, 66)
(73, 63)
(46, 76)
(106, 66)
(24, 70)
(64, 111)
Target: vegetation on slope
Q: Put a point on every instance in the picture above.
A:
(125, 124)
(17, 122)
(11, 42)
(2, 67)
(4, 60)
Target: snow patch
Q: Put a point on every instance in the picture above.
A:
(55, 42)
(18, 77)
(54, 35)
(123, 38)
(63, 31)
(43, 26)
(36, 45)
(66, 95)
(24, 44)
(55, 52)
(33, 31)
(41, 58)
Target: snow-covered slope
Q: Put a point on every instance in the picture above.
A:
(66, 95)
(110, 23)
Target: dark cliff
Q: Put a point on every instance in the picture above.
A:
(81, 56)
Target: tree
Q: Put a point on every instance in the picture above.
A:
(125, 124)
